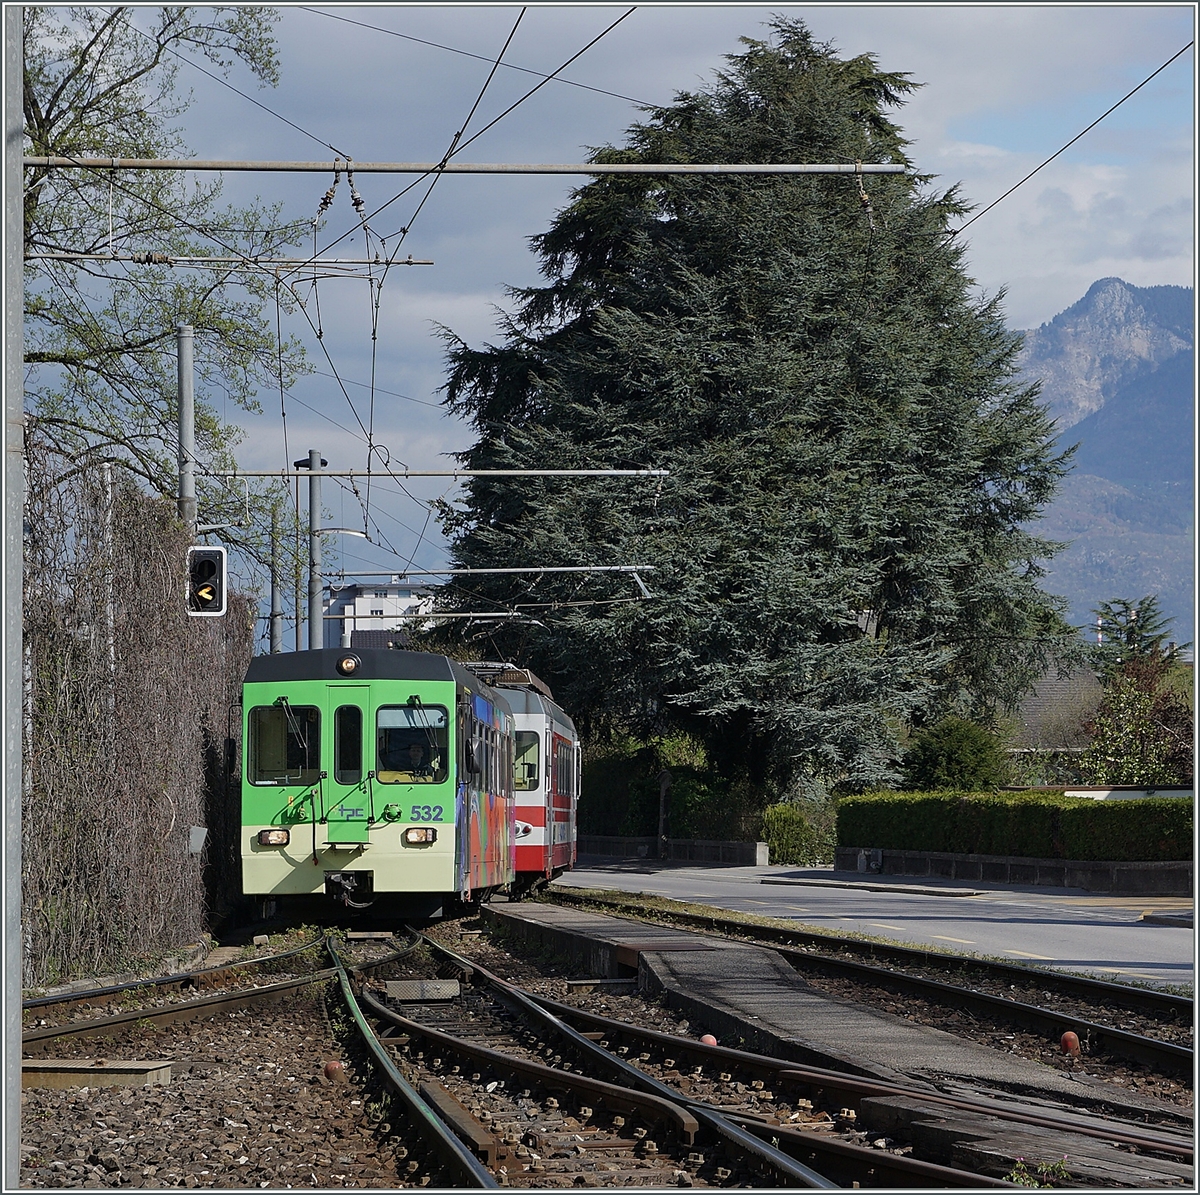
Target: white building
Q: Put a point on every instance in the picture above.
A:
(373, 613)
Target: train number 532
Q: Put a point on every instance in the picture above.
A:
(426, 813)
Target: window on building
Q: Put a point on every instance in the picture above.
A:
(381, 593)
(379, 611)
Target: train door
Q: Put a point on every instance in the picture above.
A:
(573, 832)
(348, 796)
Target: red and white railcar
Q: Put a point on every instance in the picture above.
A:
(546, 774)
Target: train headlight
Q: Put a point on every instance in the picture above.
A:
(419, 835)
(348, 665)
(274, 837)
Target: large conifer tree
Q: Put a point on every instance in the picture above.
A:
(839, 547)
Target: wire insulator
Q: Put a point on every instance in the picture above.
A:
(863, 197)
(327, 199)
(355, 198)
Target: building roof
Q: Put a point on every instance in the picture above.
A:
(1052, 715)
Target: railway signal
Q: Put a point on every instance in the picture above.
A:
(206, 582)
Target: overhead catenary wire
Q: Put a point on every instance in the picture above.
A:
(208, 230)
(379, 390)
(225, 83)
(1057, 153)
(446, 166)
(549, 78)
(482, 58)
(378, 292)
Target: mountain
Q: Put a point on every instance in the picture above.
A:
(1118, 374)
(1115, 334)
(1144, 433)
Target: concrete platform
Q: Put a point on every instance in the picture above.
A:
(749, 996)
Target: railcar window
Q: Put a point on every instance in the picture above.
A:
(411, 744)
(347, 744)
(285, 744)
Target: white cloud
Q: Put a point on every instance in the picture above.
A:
(972, 150)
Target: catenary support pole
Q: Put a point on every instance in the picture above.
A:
(276, 595)
(187, 430)
(316, 624)
(13, 580)
(297, 606)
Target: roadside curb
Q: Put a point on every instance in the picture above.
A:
(867, 886)
(1182, 920)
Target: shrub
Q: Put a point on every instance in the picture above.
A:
(620, 782)
(1143, 731)
(954, 754)
(791, 836)
(700, 804)
(1145, 828)
(1030, 825)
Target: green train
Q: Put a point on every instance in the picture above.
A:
(375, 777)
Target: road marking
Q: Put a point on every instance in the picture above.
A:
(758, 902)
(884, 925)
(1135, 974)
(1023, 954)
(961, 941)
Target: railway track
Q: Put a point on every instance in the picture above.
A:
(500, 1086)
(429, 1154)
(995, 991)
(67, 1004)
(505, 1040)
(798, 1106)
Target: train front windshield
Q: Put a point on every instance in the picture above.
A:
(526, 778)
(284, 744)
(412, 744)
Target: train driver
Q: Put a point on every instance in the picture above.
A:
(407, 762)
(416, 760)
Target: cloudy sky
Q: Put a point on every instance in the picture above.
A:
(1004, 88)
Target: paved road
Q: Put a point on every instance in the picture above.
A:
(1054, 927)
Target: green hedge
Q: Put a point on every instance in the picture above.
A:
(791, 837)
(1030, 825)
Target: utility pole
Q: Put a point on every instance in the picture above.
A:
(187, 431)
(664, 787)
(12, 646)
(316, 623)
(296, 604)
(276, 596)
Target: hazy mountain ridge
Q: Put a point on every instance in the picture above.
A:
(1117, 372)
(1113, 335)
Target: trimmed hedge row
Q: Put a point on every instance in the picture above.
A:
(1027, 825)
(791, 838)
